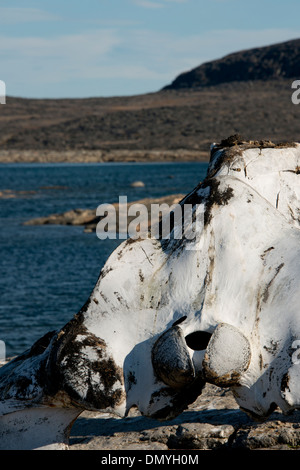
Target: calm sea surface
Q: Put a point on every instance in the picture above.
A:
(48, 272)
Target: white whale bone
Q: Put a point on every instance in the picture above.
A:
(171, 360)
(227, 356)
(41, 428)
(242, 271)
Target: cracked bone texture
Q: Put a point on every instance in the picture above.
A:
(242, 270)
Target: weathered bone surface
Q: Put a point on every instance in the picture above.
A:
(168, 315)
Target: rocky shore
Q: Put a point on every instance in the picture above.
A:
(101, 156)
(88, 218)
(213, 422)
(10, 194)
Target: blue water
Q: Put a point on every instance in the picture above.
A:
(48, 272)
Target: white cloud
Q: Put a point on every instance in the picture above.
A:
(148, 4)
(111, 54)
(154, 5)
(222, 42)
(77, 47)
(24, 15)
(168, 54)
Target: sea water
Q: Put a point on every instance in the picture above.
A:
(47, 272)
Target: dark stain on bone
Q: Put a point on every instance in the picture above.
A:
(267, 251)
(261, 362)
(263, 255)
(285, 382)
(216, 198)
(22, 385)
(272, 348)
(178, 400)
(130, 241)
(104, 297)
(296, 219)
(209, 273)
(147, 256)
(180, 320)
(235, 139)
(18, 385)
(266, 291)
(151, 302)
(121, 299)
(296, 171)
(130, 380)
(93, 382)
(105, 270)
(226, 380)
(237, 142)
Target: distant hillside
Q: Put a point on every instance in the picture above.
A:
(264, 63)
(177, 123)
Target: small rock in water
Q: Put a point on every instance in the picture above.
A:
(137, 184)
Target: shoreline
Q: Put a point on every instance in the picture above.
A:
(89, 220)
(103, 156)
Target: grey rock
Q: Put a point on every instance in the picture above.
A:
(202, 436)
(272, 434)
(214, 421)
(137, 184)
(88, 218)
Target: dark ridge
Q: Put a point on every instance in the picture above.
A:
(264, 63)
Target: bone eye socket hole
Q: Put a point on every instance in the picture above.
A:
(198, 340)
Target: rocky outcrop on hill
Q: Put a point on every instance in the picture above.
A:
(264, 63)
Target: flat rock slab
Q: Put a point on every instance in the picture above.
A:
(88, 218)
(214, 421)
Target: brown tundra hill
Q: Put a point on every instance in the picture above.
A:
(247, 93)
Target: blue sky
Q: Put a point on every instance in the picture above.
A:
(71, 48)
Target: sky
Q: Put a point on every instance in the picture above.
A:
(94, 48)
